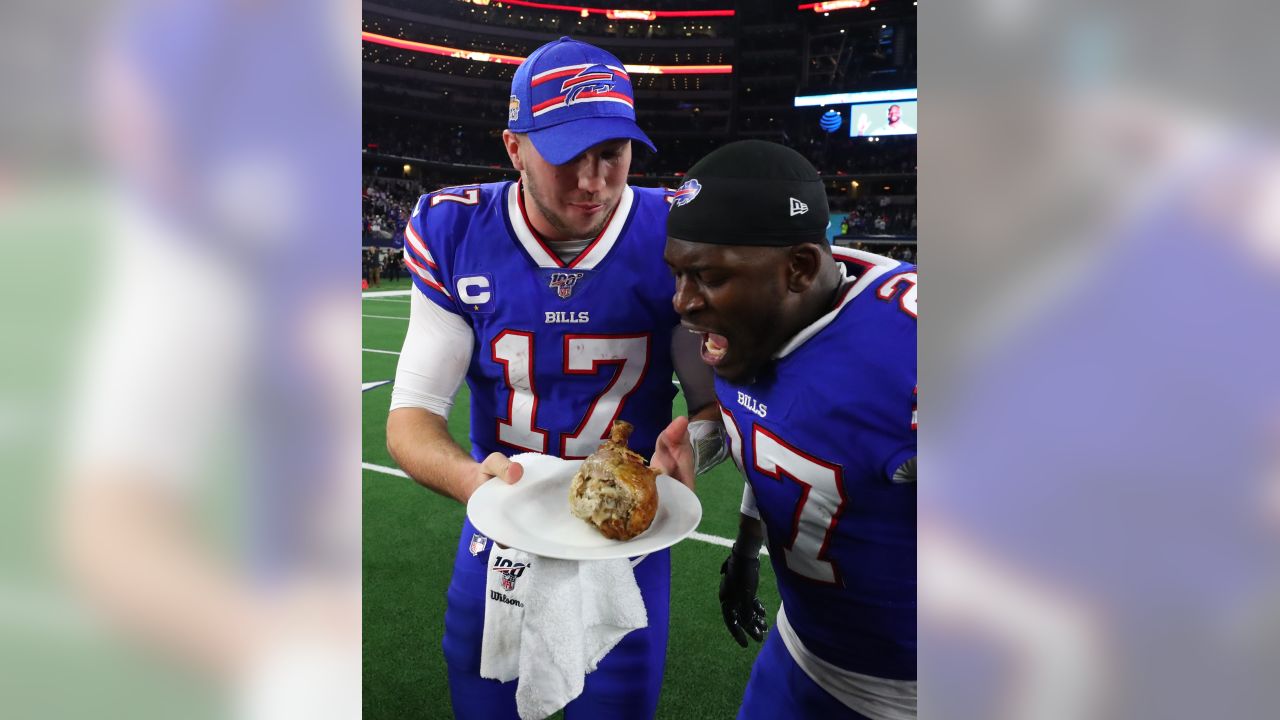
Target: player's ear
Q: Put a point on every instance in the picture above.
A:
(804, 263)
(511, 142)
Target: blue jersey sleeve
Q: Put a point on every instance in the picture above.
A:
(421, 261)
(893, 301)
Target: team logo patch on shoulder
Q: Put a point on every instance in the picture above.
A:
(513, 109)
(564, 282)
(687, 192)
(478, 543)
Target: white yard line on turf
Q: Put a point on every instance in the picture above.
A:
(386, 317)
(385, 293)
(703, 537)
(384, 352)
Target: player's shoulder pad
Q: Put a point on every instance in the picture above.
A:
(648, 223)
(441, 217)
(899, 287)
(893, 282)
(858, 263)
(457, 198)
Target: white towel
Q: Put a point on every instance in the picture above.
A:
(570, 615)
(505, 594)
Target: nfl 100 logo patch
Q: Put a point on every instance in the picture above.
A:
(564, 282)
(510, 571)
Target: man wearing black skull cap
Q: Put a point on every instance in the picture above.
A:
(814, 350)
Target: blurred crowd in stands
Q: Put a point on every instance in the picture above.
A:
(898, 251)
(876, 218)
(415, 135)
(388, 201)
(834, 153)
(433, 121)
(436, 140)
(387, 204)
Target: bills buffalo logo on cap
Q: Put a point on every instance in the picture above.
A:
(687, 192)
(595, 80)
(513, 109)
(563, 283)
(581, 84)
(510, 572)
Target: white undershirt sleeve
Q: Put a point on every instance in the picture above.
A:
(437, 350)
(748, 506)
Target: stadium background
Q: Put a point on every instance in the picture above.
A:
(434, 102)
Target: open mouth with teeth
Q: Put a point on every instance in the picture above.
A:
(714, 347)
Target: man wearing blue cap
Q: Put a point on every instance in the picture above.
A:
(550, 296)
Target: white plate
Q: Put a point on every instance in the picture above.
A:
(533, 515)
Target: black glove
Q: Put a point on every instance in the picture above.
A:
(743, 613)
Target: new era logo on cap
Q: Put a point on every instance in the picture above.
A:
(798, 208)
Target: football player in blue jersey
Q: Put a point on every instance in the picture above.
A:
(550, 297)
(814, 351)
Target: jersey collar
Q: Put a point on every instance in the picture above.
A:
(874, 266)
(540, 252)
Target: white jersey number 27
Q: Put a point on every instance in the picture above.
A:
(816, 513)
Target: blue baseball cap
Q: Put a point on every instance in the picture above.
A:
(568, 96)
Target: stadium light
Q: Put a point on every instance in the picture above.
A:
(615, 14)
(645, 15)
(833, 5)
(516, 60)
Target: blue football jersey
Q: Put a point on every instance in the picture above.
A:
(562, 348)
(818, 436)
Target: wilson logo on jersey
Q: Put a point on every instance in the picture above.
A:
(687, 192)
(564, 282)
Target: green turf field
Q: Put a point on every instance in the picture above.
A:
(409, 539)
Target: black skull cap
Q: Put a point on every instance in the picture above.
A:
(751, 192)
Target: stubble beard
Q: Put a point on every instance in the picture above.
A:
(558, 222)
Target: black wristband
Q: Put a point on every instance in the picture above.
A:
(739, 555)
